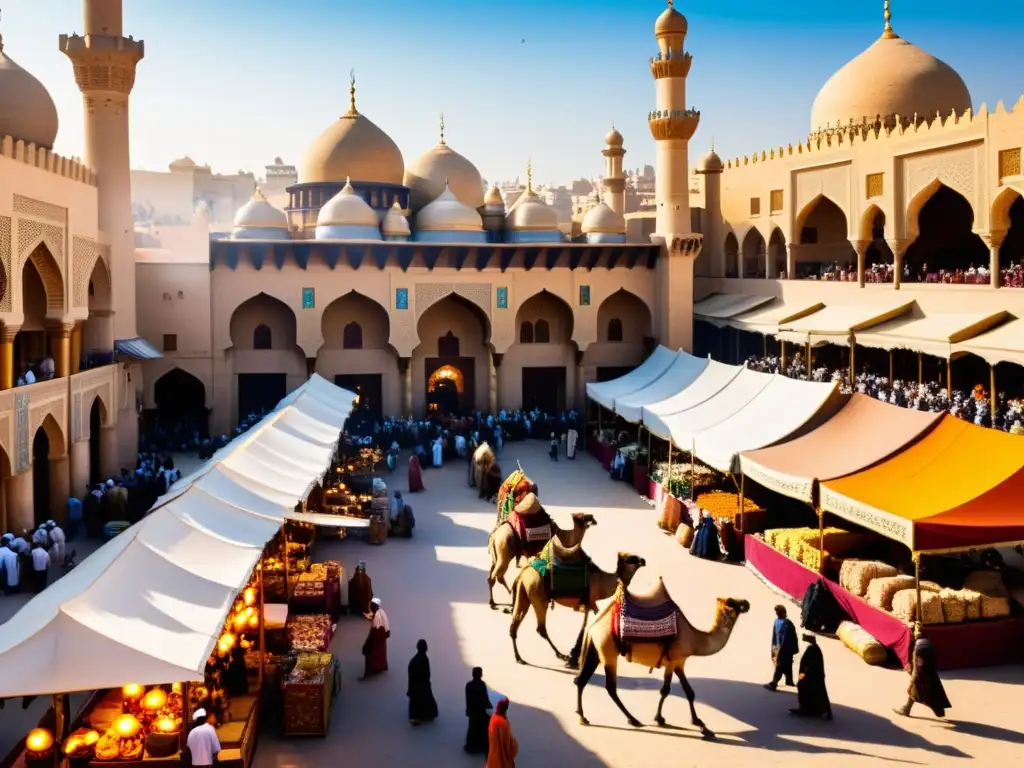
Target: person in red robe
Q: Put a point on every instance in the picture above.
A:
(502, 746)
(415, 475)
(375, 649)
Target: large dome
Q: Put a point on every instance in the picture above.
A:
(426, 178)
(891, 77)
(26, 110)
(353, 148)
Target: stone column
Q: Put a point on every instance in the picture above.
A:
(791, 261)
(7, 376)
(898, 248)
(109, 463)
(60, 349)
(76, 349)
(405, 369)
(994, 241)
(493, 363)
(60, 488)
(81, 468)
(580, 390)
(861, 247)
(21, 512)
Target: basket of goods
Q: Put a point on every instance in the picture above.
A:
(904, 606)
(882, 590)
(164, 737)
(856, 575)
(860, 641)
(124, 740)
(725, 506)
(308, 688)
(684, 535)
(310, 632)
(788, 541)
(671, 513)
(81, 745)
(995, 599)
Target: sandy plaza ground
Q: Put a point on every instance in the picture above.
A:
(433, 587)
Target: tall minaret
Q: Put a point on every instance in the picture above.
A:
(104, 62)
(672, 126)
(614, 182)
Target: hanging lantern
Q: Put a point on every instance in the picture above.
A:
(254, 622)
(38, 744)
(238, 622)
(249, 596)
(226, 643)
(133, 691)
(168, 725)
(155, 700)
(127, 726)
(176, 687)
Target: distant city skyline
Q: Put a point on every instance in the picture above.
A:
(234, 84)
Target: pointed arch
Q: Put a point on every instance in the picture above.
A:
(526, 332)
(54, 434)
(869, 224)
(754, 254)
(551, 310)
(96, 398)
(262, 337)
(731, 249)
(49, 273)
(263, 309)
(355, 310)
(944, 246)
(825, 218)
(917, 202)
(999, 217)
(623, 316)
(777, 252)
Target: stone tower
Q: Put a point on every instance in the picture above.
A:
(672, 126)
(104, 63)
(614, 182)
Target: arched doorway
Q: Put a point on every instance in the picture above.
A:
(754, 258)
(445, 388)
(543, 358)
(181, 405)
(1011, 252)
(98, 330)
(878, 258)
(453, 332)
(732, 256)
(777, 253)
(41, 476)
(97, 414)
(824, 235)
(946, 247)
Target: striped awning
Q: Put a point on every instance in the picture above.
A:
(138, 348)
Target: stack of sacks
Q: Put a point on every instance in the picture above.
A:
(789, 540)
(882, 590)
(856, 575)
(837, 542)
(954, 608)
(995, 599)
(858, 640)
(904, 606)
(684, 535)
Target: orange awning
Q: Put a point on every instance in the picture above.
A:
(960, 486)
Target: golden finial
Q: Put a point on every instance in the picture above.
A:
(442, 128)
(887, 33)
(712, 143)
(352, 93)
(529, 176)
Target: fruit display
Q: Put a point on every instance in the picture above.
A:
(311, 632)
(81, 744)
(722, 505)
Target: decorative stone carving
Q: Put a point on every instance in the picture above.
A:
(32, 207)
(6, 297)
(428, 294)
(22, 450)
(84, 253)
(76, 418)
(831, 182)
(954, 168)
(31, 233)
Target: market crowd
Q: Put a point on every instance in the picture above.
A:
(973, 406)
(1011, 276)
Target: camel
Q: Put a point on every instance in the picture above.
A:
(504, 547)
(531, 589)
(601, 647)
(485, 468)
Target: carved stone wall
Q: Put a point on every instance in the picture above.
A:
(31, 234)
(84, 253)
(7, 298)
(428, 294)
(832, 182)
(961, 169)
(41, 210)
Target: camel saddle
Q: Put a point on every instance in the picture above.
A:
(648, 617)
(566, 571)
(531, 524)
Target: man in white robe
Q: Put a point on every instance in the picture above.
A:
(58, 540)
(437, 451)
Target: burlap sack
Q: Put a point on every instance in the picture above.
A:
(684, 535)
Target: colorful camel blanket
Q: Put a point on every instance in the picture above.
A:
(563, 579)
(511, 492)
(634, 623)
(533, 531)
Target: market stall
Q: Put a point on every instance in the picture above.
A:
(606, 392)
(683, 371)
(712, 379)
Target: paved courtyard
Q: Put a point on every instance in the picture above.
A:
(433, 587)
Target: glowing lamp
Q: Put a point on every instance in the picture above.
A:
(254, 622)
(155, 700)
(127, 726)
(351, 467)
(133, 691)
(249, 596)
(74, 744)
(238, 622)
(39, 743)
(226, 642)
(250, 611)
(167, 725)
(91, 737)
(176, 688)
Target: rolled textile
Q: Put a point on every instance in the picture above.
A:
(858, 640)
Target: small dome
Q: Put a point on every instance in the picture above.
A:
(26, 110)
(613, 139)
(603, 219)
(710, 163)
(347, 209)
(891, 77)
(670, 23)
(354, 148)
(395, 224)
(258, 213)
(448, 214)
(426, 178)
(494, 197)
(532, 213)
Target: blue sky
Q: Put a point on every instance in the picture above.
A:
(235, 83)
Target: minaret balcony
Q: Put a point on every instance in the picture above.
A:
(676, 66)
(674, 124)
(103, 62)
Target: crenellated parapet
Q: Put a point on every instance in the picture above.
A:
(103, 62)
(45, 160)
(894, 128)
(673, 124)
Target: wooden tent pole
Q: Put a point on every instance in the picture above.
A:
(693, 473)
(186, 714)
(917, 589)
(809, 364)
(782, 356)
(920, 368)
(890, 366)
(949, 377)
(992, 391)
(284, 534)
(853, 366)
(821, 541)
(263, 637)
(739, 511)
(59, 717)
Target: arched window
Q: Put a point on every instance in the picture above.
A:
(352, 338)
(615, 329)
(526, 332)
(542, 332)
(262, 338)
(448, 345)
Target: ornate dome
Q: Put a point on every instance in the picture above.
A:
(891, 77)
(671, 22)
(258, 213)
(603, 219)
(532, 213)
(613, 139)
(442, 165)
(710, 163)
(494, 197)
(353, 147)
(395, 224)
(448, 214)
(347, 209)
(26, 110)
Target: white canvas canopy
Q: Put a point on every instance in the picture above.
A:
(778, 411)
(711, 381)
(148, 606)
(684, 371)
(606, 392)
(747, 385)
